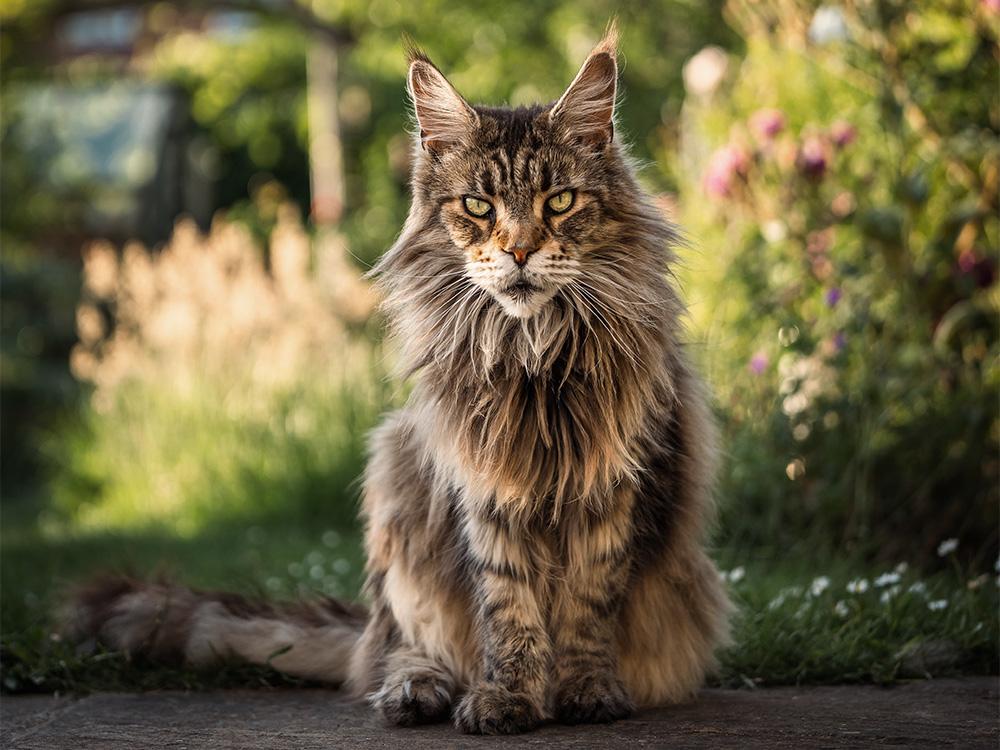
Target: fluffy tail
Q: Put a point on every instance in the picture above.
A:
(166, 622)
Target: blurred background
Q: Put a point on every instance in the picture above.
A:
(191, 192)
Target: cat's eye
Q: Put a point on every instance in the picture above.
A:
(561, 202)
(476, 206)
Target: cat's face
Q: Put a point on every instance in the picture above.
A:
(523, 193)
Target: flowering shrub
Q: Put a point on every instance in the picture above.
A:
(842, 188)
(219, 386)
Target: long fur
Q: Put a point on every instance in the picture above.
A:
(536, 514)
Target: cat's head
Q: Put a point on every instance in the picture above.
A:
(524, 194)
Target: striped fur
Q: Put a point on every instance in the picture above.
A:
(536, 514)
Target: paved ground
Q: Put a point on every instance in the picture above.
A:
(943, 713)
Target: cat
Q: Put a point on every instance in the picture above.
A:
(535, 516)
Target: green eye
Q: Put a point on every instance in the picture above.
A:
(476, 206)
(560, 203)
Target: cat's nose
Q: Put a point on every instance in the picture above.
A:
(519, 239)
(520, 253)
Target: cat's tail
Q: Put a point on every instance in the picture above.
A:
(170, 623)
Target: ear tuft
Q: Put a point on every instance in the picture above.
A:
(444, 117)
(609, 43)
(413, 51)
(587, 108)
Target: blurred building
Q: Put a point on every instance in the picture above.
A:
(118, 155)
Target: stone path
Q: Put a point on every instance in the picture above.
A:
(941, 713)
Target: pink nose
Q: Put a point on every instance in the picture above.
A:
(520, 254)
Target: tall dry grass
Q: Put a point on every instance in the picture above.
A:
(224, 381)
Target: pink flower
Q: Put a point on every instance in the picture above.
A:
(842, 133)
(812, 159)
(819, 241)
(758, 363)
(727, 163)
(767, 123)
(993, 6)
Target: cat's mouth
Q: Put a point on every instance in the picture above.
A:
(521, 288)
(521, 297)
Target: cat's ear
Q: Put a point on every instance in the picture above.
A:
(587, 108)
(444, 117)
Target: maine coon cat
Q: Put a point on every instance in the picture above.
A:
(535, 515)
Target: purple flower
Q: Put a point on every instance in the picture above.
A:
(842, 133)
(981, 269)
(967, 261)
(725, 164)
(812, 158)
(839, 341)
(767, 123)
(833, 296)
(758, 363)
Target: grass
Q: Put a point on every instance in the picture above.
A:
(797, 623)
(847, 622)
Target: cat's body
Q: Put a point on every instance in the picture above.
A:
(535, 516)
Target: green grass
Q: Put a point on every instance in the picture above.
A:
(797, 622)
(843, 622)
(267, 558)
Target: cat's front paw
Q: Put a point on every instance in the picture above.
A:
(592, 699)
(489, 708)
(412, 698)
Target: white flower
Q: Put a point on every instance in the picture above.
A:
(819, 585)
(704, 72)
(774, 230)
(736, 574)
(888, 594)
(902, 568)
(858, 586)
(828, 25)
(996, 565)
(937, 605)
(918, 588)
(841, 608)
(947, 547)
(887, 579)
(977, 582)
(776, 602)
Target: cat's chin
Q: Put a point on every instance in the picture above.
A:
(524, 303)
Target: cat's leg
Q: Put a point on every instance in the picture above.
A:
(587, 606)
(417, 650)
(516, 650)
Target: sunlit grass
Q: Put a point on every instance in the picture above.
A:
(157, 457)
